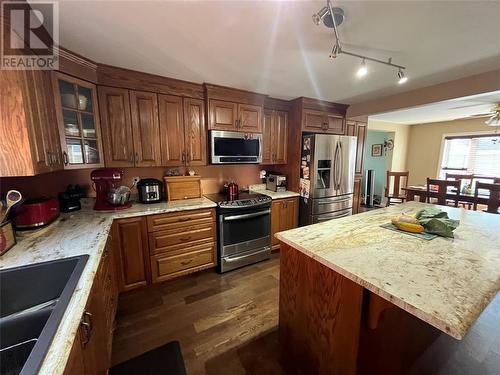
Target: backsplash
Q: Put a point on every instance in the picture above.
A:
(49, 184)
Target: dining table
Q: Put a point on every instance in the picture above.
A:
(421, 191)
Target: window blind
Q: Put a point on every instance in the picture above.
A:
(479, 155)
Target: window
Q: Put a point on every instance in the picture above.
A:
(478, 155)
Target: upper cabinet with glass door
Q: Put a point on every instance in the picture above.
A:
(78, 118)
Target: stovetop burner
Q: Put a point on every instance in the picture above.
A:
(244, 199)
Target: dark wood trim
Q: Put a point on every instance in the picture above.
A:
(277, 104)
(323, 105)
(234, 95)
(77, 66)
(134, 80)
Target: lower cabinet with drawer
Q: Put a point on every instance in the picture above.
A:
(181, 243)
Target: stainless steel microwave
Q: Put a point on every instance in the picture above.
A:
(235, 147)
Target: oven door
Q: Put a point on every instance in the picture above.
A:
(244, 230)
(235, 148)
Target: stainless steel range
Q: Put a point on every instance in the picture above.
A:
(244, 230)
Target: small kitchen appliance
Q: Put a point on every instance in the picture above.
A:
(276, 182)
(244, 227)
(69, 200)
(36, 212)
(150, 190)
(110, 196)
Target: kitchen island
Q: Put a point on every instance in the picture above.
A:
(358, 298)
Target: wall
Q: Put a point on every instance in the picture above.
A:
(424, 146)
(213, 177)
(377, 163)
(401, 135)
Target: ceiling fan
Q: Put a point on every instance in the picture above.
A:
(493, 115)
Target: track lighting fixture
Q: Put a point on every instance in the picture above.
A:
(363, 70)
(332, 18)
(401, 77)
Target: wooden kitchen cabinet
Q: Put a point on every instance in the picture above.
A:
(130, 127)
(130, 247)
(79, 127)
(182, 243)
(116, 122)
(284, 216)
(29, 139)
(274, 137)
(358, 129)
(182, 131)
(91, 350)
(322, 122)
(230, 116)
(145, 128)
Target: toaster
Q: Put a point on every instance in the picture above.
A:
(34, 213)
(276, 182)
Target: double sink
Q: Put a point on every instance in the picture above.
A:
(33, 300)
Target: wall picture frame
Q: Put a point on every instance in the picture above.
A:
(377, 149)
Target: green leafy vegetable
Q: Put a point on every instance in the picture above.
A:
(436, 221)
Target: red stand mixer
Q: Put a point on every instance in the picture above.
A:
(106, 181)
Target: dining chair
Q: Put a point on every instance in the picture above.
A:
(493, 199)
(467, 178)
(442, 192)
(399, 180)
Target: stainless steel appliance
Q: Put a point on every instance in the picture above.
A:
(327, 177)
(150, 190)
(276, 182)
(244, 230)
(235, 147)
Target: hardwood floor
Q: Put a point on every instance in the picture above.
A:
(227, 324)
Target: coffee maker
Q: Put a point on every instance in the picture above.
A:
(105, 181)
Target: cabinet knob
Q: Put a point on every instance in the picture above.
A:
(65, 158)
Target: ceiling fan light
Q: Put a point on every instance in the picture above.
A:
(401, 77)
(363, 70)
(493, 120)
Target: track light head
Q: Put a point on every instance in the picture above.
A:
(335, 50)
(401, 77)
(318, 17)
(363, 70)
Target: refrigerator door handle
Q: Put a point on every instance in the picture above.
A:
(336, 167)
(341, 165)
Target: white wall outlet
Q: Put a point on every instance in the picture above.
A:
(135, 180)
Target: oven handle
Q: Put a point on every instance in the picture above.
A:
(246, 216)
(235, 259)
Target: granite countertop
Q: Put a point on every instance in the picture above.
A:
(261, 188)
(82, 232)
(445, 282)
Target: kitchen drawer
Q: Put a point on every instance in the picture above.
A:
(166, 267)
(180, 219)
(181, 238)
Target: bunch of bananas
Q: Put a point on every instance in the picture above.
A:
(407, 223)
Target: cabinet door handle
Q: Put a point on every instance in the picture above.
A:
(183, 157)
(88, 315)
(49, 158)
(188, 238)
(86, 330)
(186, 262)
(131, 157)
(136, 157)
(65, 158)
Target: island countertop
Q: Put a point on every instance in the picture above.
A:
(444, 282)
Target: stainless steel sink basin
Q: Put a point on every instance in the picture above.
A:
(33, 300)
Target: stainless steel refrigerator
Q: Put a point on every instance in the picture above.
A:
(326, 177)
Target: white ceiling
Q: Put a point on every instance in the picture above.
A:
(273, 47)
(443, 111)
